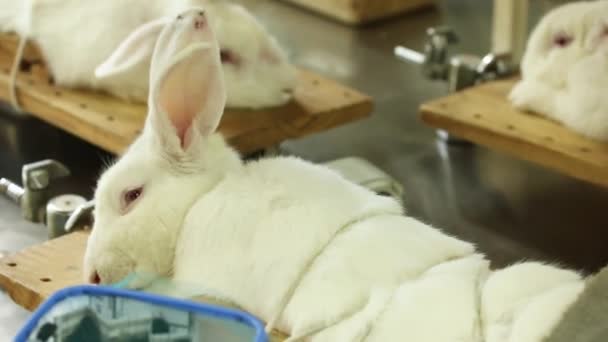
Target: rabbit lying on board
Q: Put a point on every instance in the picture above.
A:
(565, 68)
(76, 36)
(294, 243)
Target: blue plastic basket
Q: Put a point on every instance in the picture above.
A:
(224, 314)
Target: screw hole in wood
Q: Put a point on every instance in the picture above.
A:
(45, 280)
(11, 264)
(25, 66)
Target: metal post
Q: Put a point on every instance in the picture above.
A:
(510, 28)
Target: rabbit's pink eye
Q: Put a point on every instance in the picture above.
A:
(229, 57)
(562, 40)
(131, 195)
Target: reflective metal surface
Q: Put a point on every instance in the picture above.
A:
(510, 208)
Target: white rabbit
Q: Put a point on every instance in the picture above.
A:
(294, 243)
(76, 36)
(565, 68)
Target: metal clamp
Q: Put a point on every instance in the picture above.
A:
(459, 71)
(34, 198)
(83, 213)
(36, 179)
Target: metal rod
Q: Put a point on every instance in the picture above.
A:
(409, 55)
(82, 210)
(510, 27)
(11, 190)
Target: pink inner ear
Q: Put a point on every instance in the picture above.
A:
(175, 105)
(182, 125)
(183, 94)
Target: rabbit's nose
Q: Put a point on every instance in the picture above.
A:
(200, 20)
(198, 14)
(199, 23)
(94, 278)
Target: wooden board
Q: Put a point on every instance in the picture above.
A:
(32, 275)
(483, 115)
(357, 12)
(319, 104)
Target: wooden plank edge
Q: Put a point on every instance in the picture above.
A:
(37, 108)
(116, 144)
(357, 110)
(413, 9)
(20, 293)
(560, 162)
(355, 20)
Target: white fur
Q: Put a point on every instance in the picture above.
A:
(568, 84)
(75, 37)
(294, 243)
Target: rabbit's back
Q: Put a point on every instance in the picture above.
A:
(260, 209)
(75, 38)
(289, 239)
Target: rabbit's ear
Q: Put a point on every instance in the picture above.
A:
(136, 48)
(189, 96)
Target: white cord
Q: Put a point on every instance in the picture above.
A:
(12, 84)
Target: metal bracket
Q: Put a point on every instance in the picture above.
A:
(34, 198)
(83, 212)
(458, 71)
(36, 179)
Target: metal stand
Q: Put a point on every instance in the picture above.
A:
(459, 71)
(34, 197)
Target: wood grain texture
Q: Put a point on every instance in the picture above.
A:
(33, 274)
(484, 115)
(358, 12)
(319, 104)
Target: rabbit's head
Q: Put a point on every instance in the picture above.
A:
(141, 201)
(257, 72)
(562, 38)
